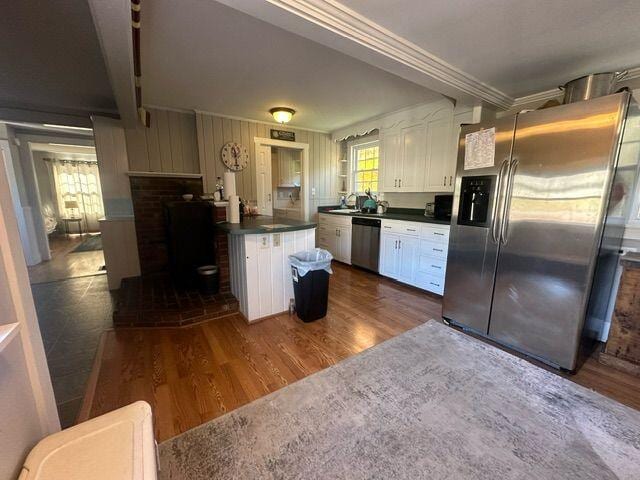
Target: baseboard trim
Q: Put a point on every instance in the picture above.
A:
(90, 389)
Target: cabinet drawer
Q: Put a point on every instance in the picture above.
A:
(406, 228)
(433, 249)
(434, 234)
(431, 266)
(339, 220)
(430, 283)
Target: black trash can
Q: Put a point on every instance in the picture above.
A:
(310, 272)
(208, 279)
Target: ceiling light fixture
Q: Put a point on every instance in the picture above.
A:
(66, 127)
(282, 114)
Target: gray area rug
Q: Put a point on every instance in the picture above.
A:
(432, 403)
(93, 242)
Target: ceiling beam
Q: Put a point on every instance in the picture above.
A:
(112, 20)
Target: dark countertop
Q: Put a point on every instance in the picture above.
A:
(405, 214)
(252, 225)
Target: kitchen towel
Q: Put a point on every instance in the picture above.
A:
(229, 184)
(233, 212)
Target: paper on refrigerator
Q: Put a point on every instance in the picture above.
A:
(480, 149)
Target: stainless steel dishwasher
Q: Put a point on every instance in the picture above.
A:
(365, 242)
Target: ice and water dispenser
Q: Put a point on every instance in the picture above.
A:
(475, 201)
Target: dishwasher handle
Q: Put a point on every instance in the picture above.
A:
(367, 222)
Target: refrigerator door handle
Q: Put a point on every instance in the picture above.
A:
(504, 230)
(495, 226)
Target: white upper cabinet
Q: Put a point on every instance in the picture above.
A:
(440, 160)
(390, 160)
(288, 168)
(416, 149)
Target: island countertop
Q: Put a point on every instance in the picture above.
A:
(264, 224)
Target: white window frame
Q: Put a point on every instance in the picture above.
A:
(354, 146)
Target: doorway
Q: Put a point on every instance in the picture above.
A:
(71, 204)
(54, 184)
(282, 176)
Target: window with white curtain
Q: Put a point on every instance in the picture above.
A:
(79, 181)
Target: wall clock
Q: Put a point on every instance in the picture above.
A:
(235, 156)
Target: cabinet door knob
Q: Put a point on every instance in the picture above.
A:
(400, 182)
(395, 182)
(445, 181)
(450, 180)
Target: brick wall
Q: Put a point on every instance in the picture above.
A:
(222, 252)
(149, 194)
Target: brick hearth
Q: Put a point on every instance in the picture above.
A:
(153, 301)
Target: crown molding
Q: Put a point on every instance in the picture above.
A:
(632, 73)
(349, 24)
(537, 97)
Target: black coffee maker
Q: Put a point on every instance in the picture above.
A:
(442, 207)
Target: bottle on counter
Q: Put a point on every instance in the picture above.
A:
(220, 187)
(241, 206)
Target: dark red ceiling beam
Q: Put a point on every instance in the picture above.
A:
(144, 116)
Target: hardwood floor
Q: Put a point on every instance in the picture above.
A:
(64, 263)
(193, 374)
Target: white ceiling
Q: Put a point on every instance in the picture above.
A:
(519, 47)
(50, 59)
(199, 54)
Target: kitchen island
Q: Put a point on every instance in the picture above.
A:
(258, 261)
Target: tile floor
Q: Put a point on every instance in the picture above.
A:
(72, 315)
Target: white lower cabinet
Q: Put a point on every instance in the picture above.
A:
(335, 236)
(415, 253)
(260, 271)
(389, 258)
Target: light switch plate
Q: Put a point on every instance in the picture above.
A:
(276, 239)
(264, 241)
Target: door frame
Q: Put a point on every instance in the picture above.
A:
(304, 179)
(17, 303)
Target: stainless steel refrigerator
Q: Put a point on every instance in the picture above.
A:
(539, 210)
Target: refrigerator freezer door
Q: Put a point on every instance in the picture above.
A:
(562, 167)
(473, 241)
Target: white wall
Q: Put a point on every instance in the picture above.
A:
(214, 131)
(119, 241)
(409, 200)
(13, 171)
(168, 145)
